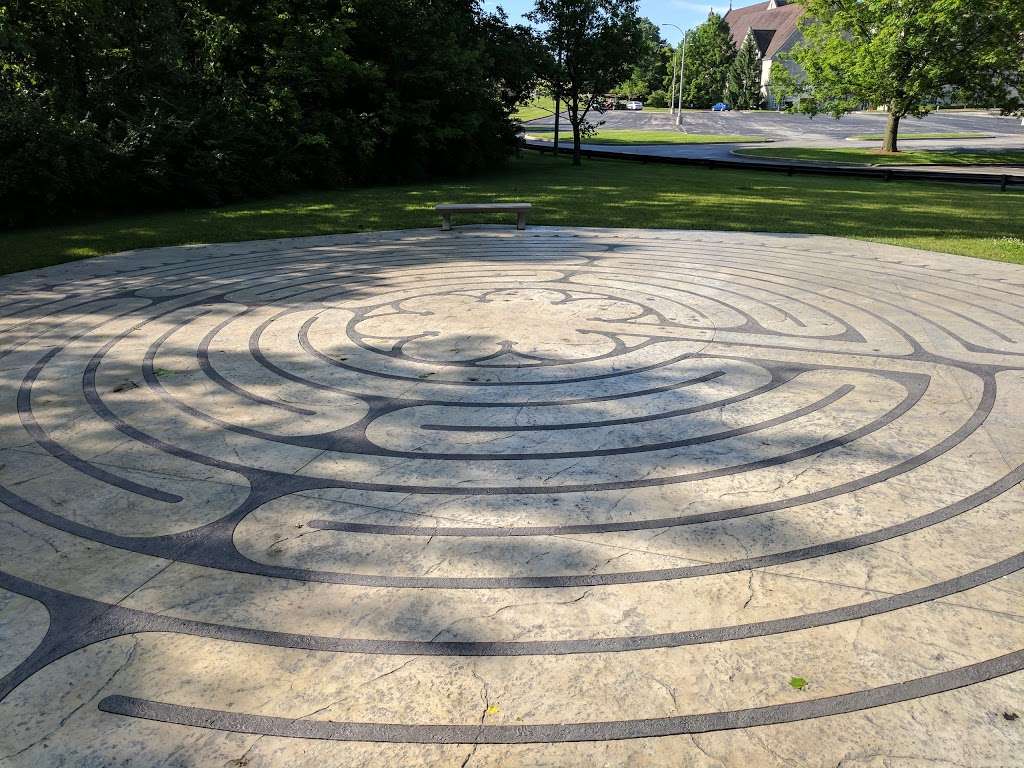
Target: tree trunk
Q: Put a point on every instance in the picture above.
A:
(558, 109)
(558, 101)
(574, 117)
(892, 132)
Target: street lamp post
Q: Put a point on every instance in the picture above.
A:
(682, 64)
(672, 96)
(682, 70)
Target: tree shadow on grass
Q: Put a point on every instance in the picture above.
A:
(961, 219)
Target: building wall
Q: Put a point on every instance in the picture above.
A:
(792, 66)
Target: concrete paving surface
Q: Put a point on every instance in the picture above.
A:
(567, 497)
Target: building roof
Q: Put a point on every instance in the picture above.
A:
(773, 23)
(763, 39)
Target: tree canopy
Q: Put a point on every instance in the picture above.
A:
(651, 68)
(590, 47)
(905, 54)
(709, 53)
(130, 103)
(743, 83)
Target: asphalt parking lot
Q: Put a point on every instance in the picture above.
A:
(789, 130)
(823, 129)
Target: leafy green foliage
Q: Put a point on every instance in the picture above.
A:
(709, 53)
(658, 99)
(797, 682)
(133, 103)
(651, 69)
(743, 85)
(784, 87)
(906, 54)
(590, 46)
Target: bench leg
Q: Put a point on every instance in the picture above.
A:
(521, 221)
(446, 222)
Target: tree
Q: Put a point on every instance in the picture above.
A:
(122, 104)
(709, 54)
(437, 98)
(514, 51)
(743, 85)
(784, 86)
(651, 67)
(904, 54)
(590, 47)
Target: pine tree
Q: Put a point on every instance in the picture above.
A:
(743, 87)
(709, 54)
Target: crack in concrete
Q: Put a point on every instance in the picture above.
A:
(750, 589)
(503, 608)
(486, 696)
(130, 656)
(697, 744)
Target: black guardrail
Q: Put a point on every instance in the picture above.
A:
(882, 174)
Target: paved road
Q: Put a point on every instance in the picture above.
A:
(783, 126)
(564, 497)
(788, 130)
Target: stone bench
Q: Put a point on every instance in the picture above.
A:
(447, 209)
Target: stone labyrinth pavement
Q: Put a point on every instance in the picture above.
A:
(564, 497)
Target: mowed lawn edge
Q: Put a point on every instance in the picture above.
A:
(970, 220)
(924, 136)
(651, 138)
(871, 156)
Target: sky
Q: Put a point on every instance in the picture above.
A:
(682, 13)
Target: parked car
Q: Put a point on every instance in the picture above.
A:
(634, 106)
(721, 107)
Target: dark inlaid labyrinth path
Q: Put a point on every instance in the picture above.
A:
(562, 497)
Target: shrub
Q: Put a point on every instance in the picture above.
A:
(658, 99)
(121, 104)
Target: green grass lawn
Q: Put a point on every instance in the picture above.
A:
(875, 157)
(615, 137)
(542, 106)
(920, 136)
(975, 221)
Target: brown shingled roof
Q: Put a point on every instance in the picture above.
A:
(760, 18)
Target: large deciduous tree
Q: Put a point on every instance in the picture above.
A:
(590, 47)
(651, 67)
(514, 51)
(709, 53)
(743, 85)
(904, 55)
(128, 103)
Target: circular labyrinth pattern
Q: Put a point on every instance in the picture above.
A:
(477, 489)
